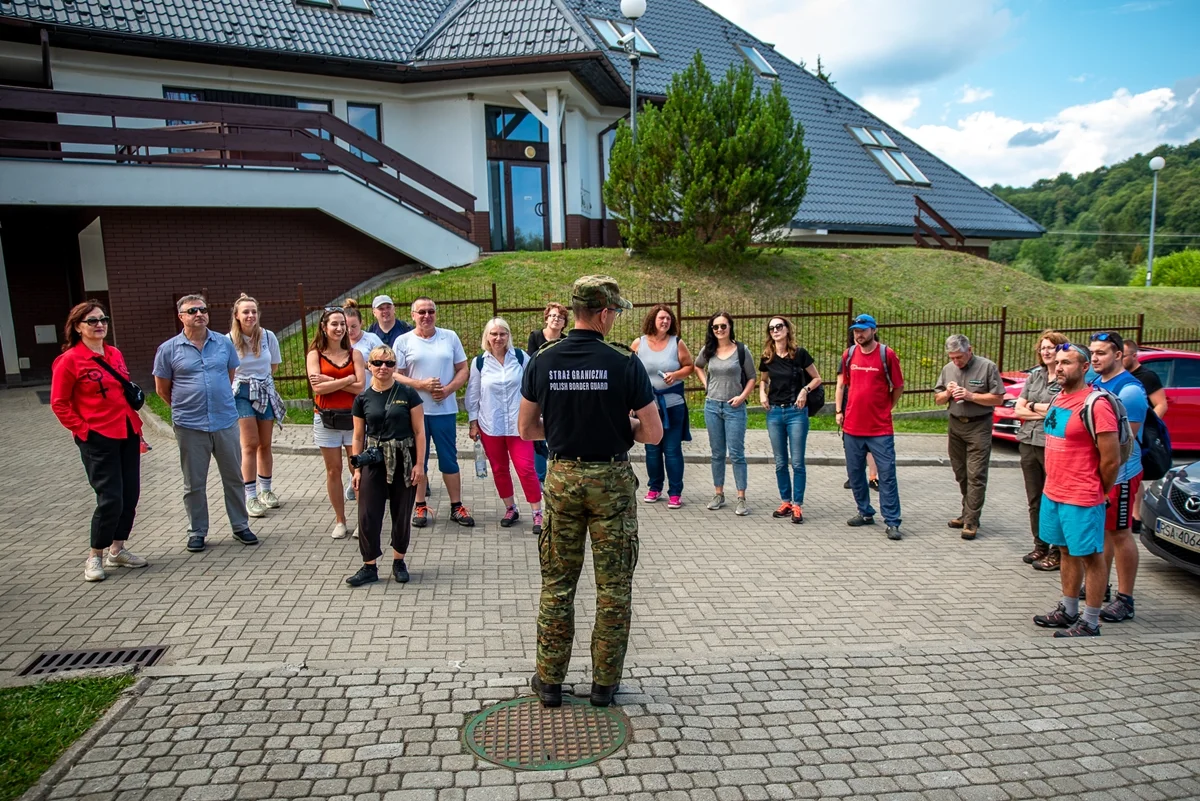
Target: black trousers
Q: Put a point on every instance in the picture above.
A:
(114, 469)
(375, 493)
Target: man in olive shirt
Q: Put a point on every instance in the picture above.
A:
(577, 395)
(972, 387)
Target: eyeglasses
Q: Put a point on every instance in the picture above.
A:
(555, 317)
(383, 362)
(776, 327)
(192, 312)
(617, 311)
(1050, 348)
(720, 326)
(425, 312)
(95, 321)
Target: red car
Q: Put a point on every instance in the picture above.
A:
(1179, 371)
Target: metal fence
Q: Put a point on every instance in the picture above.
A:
(821, 326)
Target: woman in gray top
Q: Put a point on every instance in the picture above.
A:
(1040, 389)
(667, 362)
(726, 369)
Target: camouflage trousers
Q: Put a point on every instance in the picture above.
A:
(583, 499)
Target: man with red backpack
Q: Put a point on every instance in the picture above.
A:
(869, 384)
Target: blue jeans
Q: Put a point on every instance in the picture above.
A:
(669, 452)
(788, 429)
(726, 429)
(884, 450)
(539, 465)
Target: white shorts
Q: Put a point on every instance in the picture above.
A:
(328, 437)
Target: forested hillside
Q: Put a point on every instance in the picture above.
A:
(1115, 201)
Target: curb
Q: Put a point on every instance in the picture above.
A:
(67, 760)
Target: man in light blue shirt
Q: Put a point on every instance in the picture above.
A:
(1107, 350)
(193, 372)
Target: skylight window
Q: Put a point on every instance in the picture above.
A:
(757, 61)
(611, 32)
(343, 5)
(894, 161)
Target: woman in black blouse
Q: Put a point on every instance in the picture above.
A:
(389, 426)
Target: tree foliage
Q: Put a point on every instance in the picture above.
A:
(720, 166)
(1105, 215)
(1178, 269)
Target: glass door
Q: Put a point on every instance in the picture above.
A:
(529, 223)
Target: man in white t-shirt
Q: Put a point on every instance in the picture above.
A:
(432, 361)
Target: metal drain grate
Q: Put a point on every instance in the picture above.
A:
(524, 735)
(61, 661)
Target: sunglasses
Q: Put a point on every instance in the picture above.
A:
(776, 327)
(95, 321)
(720, 326)
(617, 311)
(383, 362)
(425, 312)
(1103, 336)
(192, 312)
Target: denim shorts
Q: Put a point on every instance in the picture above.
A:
(442, 429)
(242, 401)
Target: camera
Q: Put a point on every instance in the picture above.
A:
(370, 456)
(624, 41)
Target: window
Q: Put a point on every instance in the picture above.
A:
(1186, 374)
(315, 105)
(364, 117)
(190, 95)
(611, 31)
(342, 5)
(1161, 368)
(757, 61)
(514, 125)
(894, 161)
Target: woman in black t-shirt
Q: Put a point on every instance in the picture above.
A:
(390, 424)
(787, 376)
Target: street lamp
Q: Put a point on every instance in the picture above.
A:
(632, 10)
(1156, 164)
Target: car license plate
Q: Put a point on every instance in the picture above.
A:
(1184, 538)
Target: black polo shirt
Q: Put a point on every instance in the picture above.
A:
(586, 388)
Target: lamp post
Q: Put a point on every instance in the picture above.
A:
(633, 10)
(1156, 164)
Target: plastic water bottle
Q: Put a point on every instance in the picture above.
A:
(480, 460)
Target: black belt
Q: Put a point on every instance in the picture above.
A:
(972, 419)
(618, 457)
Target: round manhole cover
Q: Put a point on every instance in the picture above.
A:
(524, 735)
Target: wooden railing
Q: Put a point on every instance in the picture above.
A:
(239, 136)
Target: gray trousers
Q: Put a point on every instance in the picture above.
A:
(196, 449)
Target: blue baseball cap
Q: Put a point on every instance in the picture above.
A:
(863, 322)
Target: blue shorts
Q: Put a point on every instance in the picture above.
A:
(1079, 529)
(442, 429)
(242, 401)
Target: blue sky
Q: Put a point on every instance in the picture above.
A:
(1007, 91)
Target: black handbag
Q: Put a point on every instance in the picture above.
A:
(337, 419)
(134, 395)
(816, 401)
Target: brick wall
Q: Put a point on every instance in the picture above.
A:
(155, 255)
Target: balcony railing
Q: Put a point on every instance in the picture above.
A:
(221, 135)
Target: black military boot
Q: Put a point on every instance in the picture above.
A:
(602, 694)
(550, 694)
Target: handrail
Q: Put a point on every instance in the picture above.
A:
(279, 130)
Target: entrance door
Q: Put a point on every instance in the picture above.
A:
(520, 210)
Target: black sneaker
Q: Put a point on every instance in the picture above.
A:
(195, 543)
(894, 533)
(365, 575)
(245, 537)
(400, 571)
(1107, 593)
(1058, 619)
(421, 516)
(602, 694)
(461, 515)
(860, 520)
(874, 484)
(550, 694)
(1118, 610)
(1079, 629)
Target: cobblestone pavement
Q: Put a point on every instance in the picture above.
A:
(767, 660)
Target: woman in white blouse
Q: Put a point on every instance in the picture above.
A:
(493, 398)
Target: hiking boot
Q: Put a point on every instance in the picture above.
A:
(537, 523)
(1051, 561)
(675, 502)
(742, 507)
(461, 515)
(797, 514)
(93, 570)
(400, 571)
(1039, 552)
(716, 503)
(1118, 610)
(970, 532)
(652, 496)
(269, 499)
(1079, 629)
(602, 694)
(195, 543)
(245, 537)
(894, 533)
(874, 484)
(365, 575)
(784, 510)
(955, 523)
(511, 515)
(1107, 593)
(1057, 619)
(860, 520)
(421, 516)
(550, 694)
(123, 558)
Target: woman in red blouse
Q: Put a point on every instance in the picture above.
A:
(91, 404)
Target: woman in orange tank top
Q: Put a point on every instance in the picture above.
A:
(337, 374)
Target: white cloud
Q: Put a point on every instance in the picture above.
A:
(1081, 78)
(895, 111)
(990, 148)
(973, 94)
(875, 43)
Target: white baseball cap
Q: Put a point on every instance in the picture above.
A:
(380, 300)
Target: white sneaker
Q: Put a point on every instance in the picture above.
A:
(125, 558)
(92, 569)
(716, 503)
(354, 534)
(350, 491)
(255, 507)
(269, 499)
(339, 531)
(742, 507)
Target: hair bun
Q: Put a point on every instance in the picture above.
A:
(350, 303)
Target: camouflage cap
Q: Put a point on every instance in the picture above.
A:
(599, 292)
